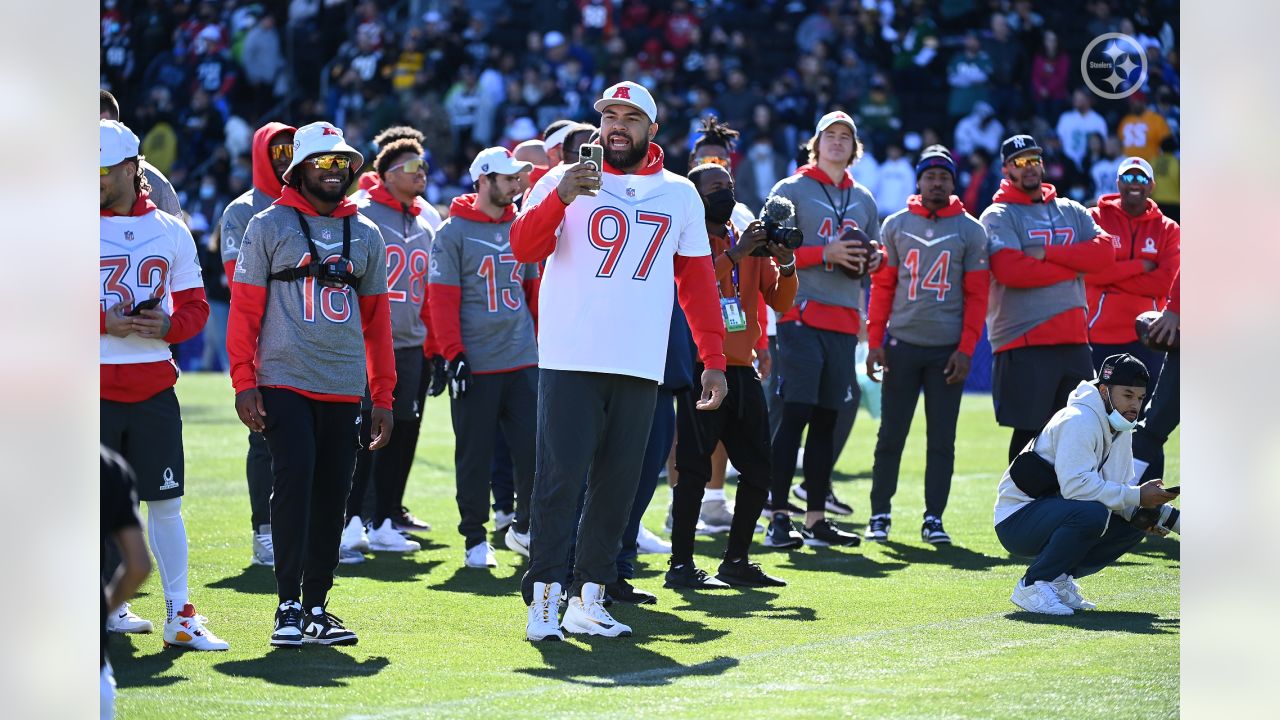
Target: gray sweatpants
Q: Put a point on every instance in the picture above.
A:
(594, 425)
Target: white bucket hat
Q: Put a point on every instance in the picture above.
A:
(321, 138)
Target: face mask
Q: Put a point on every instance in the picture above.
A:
(206, 191)
(1119, 422)
(719, 206)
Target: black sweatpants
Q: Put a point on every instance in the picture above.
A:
(1161, 417)
(742, 424)
(313, 451)
(913, 368)
(384, 473)
(507, 400)
(257, 471)
(594, 425)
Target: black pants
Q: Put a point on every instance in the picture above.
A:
(913, 368)
(507, 400)
(377, 485)
(742, 424)
(257, 471)
(1162, 415)
(313, 451)
(594, 425)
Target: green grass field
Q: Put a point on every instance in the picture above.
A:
(902, 630)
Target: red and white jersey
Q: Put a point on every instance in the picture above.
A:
(608, 288)
(141, 257)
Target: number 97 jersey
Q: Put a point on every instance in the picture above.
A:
(141, 257)
(931, 254)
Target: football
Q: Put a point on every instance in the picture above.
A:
(1142, 324)
(856, 235)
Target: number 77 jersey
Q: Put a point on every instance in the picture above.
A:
(608, 287)
(931, 254)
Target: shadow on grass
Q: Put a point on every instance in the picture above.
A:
(626, 662)
(838, 476)
(742, 603)
(1161, 548)
(390, 567)
(252, 580)
(846, 561)
(134, 670)
(1138, 623)
(960, 558)
(313, 666)
(479, 581)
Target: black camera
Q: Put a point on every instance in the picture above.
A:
(778, 210)
(334, 274)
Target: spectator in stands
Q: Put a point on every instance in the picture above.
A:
(1049, 70)
(1168, 179)
(980, 182)
(1143, 129)
(979, 129)
(897, 181)
(1075, 126)
(1103, 170)
(969, 75)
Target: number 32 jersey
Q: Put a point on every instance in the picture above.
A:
(608, 288)
(141, 257)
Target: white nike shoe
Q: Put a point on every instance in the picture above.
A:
(1069, 593)
(649, 544)
(348, 556)
(123, 620)
(385, 538)
(516, 541)
(544, 613)
(1039, 597)
(354, 536)
(586, 614)
(481, 555)
(503, 520)
(264, 552)
(187, 630)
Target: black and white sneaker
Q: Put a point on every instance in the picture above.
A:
(782, 533)
(405, 522)
(324, 628)
(787, 507)
(688, 575)
(624, 591)
(878, 528)
(741, 573)
(824, 533)
(288, 632)
(931, 531)
(833, 505)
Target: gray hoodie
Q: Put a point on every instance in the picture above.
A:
(1093, 462)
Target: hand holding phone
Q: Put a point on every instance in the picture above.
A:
(148, 304)
(583, 178)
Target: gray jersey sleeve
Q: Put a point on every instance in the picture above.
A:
(975, 246)
(887, 237)
(162, 193)
(253, 263)
(1001, 235)
(234, 221)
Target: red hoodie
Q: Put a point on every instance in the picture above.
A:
(445, 301)
(884, 283)
(533, 239)
(1016, 269)
(264, 173)
(1125, 290)
(135, 382)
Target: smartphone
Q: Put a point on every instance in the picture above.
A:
(592, 155)
(147, 304)
(1174, 490)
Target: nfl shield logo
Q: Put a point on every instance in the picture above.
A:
(128, 235)
(631, 192)
(326, 234)
(928, 233)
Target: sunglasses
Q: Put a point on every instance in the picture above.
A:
(324, 162)
(281, 151)
(715, 161)
(1135, 178)
(104, 171)
(410, 167)
(1025, 161)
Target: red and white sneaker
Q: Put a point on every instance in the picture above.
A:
(187, 630)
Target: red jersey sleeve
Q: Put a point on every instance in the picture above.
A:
(1086, 257)
(977, 285)
(884, 283)
(244, 324)
(380, 357)
(1016, 269)
(190, 312)
(446, 320)
(696, 288)
(533, 234)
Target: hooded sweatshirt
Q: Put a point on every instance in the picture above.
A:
(482, 300)
(1125, 290)
(931, 289)
(827, 298)
(1040, 302)
(1093, 462)
(266, 189)
(146, 253)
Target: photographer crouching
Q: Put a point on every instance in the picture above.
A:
(745, 274)
(1070, 499)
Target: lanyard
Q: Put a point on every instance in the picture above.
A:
(733, 240)
(315, 254)
(845, 197)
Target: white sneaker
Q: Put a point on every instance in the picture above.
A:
(649, 544)
(699, 529)
(544, 613)
(1040, 597)
(730, 471)
(1069, 593)
(516, 542)
(354, 536)
(348, 556)
(586, 614)
(187, 630)
(385, 538)
(481, 555)
(503, 520)
(264, 552)
(123, 620)
(716, 516)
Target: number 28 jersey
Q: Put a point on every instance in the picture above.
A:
(608, 287)
(141, 257)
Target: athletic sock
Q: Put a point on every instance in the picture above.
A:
(167, 536)
(713, 494)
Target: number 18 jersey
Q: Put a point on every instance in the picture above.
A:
(608, 287)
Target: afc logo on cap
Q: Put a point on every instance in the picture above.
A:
(623, 93)
(331, 131)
